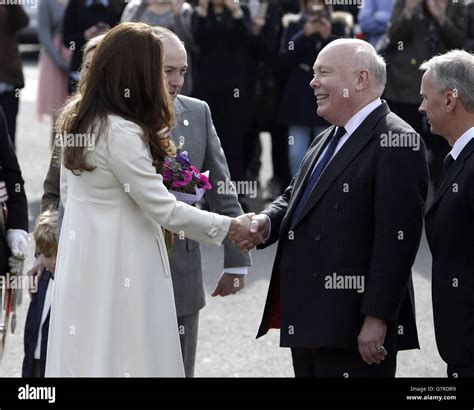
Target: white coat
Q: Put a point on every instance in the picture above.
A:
(113, 312)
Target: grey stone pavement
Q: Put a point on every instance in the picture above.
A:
(227, 346)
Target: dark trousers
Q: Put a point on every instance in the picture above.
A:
(437, 146)
(188, 335)
(10, 103)
(339, 363)
(455, 371)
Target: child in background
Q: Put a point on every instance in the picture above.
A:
(37, 319)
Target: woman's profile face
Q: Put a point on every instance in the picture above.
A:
(87, 62)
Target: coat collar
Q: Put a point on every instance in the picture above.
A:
(453, 172)
(179, 106)
(361, 136)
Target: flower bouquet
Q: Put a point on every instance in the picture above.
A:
(184, 181)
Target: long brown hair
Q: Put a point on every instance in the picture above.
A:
(126, 79)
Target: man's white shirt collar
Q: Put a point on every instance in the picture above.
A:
(461, 143)
(359, 117)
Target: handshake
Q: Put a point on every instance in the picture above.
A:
(249, 230)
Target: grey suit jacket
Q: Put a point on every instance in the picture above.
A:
(195, 129)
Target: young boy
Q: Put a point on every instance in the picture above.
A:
(37, 319)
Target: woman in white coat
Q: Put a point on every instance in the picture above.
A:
(113, 312)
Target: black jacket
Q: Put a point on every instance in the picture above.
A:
(450, 234)
(78, 18)
(16, 203)
(32, 324)
(364, 219)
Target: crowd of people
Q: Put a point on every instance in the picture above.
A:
(214, 75)
(251, 62)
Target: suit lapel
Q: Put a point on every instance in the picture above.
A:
(356, 142)
(453, 172)
(307, 167)
(178, 131)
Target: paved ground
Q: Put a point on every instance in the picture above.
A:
(227, 345)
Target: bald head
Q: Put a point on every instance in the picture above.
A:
(175, 60)
(361, 55)
(348, 74)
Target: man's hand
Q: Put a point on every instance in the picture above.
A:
(258, 22)
(231, 5)
(410, 7)
(324, 28)
(437, 9)
(371, 339)
(259, 230)
(229, 284)
(310, 27)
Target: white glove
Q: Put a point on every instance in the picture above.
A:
(17, 240)
(16, 265)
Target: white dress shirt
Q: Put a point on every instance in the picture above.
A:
(461, 142)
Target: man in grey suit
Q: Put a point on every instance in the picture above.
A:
(194, 128)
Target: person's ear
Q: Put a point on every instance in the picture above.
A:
(451, 98)
(362, 80)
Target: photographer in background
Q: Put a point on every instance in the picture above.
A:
(419, 30)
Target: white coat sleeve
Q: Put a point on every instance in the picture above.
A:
(130, 162)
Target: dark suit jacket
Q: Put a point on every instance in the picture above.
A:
(16, 203)
(363, 218)
(450, 233)
(32, 324)
(12, 19)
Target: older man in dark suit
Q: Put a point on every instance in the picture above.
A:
(447, 89)
(349, 227)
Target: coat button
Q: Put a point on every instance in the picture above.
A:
(315, 275)
(317, 237)
(186, 123)
(336, 206)
(213, 232)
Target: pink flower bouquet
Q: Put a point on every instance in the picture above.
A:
(183, 180)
